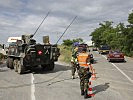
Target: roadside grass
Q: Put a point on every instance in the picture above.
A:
(65, 53)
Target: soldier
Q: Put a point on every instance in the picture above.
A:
(84, 71)
(74, 62)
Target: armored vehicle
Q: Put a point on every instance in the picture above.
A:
(25, 54)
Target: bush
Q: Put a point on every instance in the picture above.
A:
(65, 53)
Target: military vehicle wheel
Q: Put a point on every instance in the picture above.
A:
(51, 66)
(10, 63)
(20, 68)
(7, 62)
(43, 67)
(15, 64)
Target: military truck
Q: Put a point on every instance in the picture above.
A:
(25, 54)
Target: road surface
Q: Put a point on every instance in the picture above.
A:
(114, 82)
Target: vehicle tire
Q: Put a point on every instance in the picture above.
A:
(20, 67)
(15, 64)
(124, 61)
(10, 63)
(51, 66)
(43, 67)
(7, 62)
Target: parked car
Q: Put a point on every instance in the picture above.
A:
(115, 56)
(94, 49)
(104, 49)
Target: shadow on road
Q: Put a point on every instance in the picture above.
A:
(1, 70)
(100, 88)
(95, 61)
(118, 61)
(39, 70)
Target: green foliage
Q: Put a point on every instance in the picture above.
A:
(69, 42)
(65, 53)
(119, 37)
(78, 40)
(130, 18)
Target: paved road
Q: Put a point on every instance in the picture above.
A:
(114, 82)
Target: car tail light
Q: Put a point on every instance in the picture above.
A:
(111, 55)
(122, 55)
(39, 52)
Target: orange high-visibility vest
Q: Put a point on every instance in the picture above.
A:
(83, 59)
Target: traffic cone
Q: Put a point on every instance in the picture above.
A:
(90, 89)
(93, 77)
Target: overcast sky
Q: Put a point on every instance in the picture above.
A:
(19, 17)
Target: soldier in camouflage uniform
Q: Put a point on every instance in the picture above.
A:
(74, 62)
(84, 71)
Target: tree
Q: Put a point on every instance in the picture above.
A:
(119, 37)
(130, 18)
(80, 40)
(67, 42)
(99, 35)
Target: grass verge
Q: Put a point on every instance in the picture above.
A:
(65, 53)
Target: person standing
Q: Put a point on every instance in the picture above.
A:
(74, 62)
(84, 71)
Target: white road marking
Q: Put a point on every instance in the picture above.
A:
(120, 70)
(32, 88)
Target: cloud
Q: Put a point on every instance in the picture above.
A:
(19, 17)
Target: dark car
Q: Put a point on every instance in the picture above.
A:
(104, 49)
(115, 56)
(94, 49)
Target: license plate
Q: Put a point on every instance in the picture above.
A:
(117, 55)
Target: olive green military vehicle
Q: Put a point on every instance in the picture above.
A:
(26, 54)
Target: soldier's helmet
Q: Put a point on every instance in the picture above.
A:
(76, 44)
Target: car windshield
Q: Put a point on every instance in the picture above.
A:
(117, 51)
(12, 44)
(105, 48)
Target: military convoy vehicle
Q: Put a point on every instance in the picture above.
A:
(26, 54)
